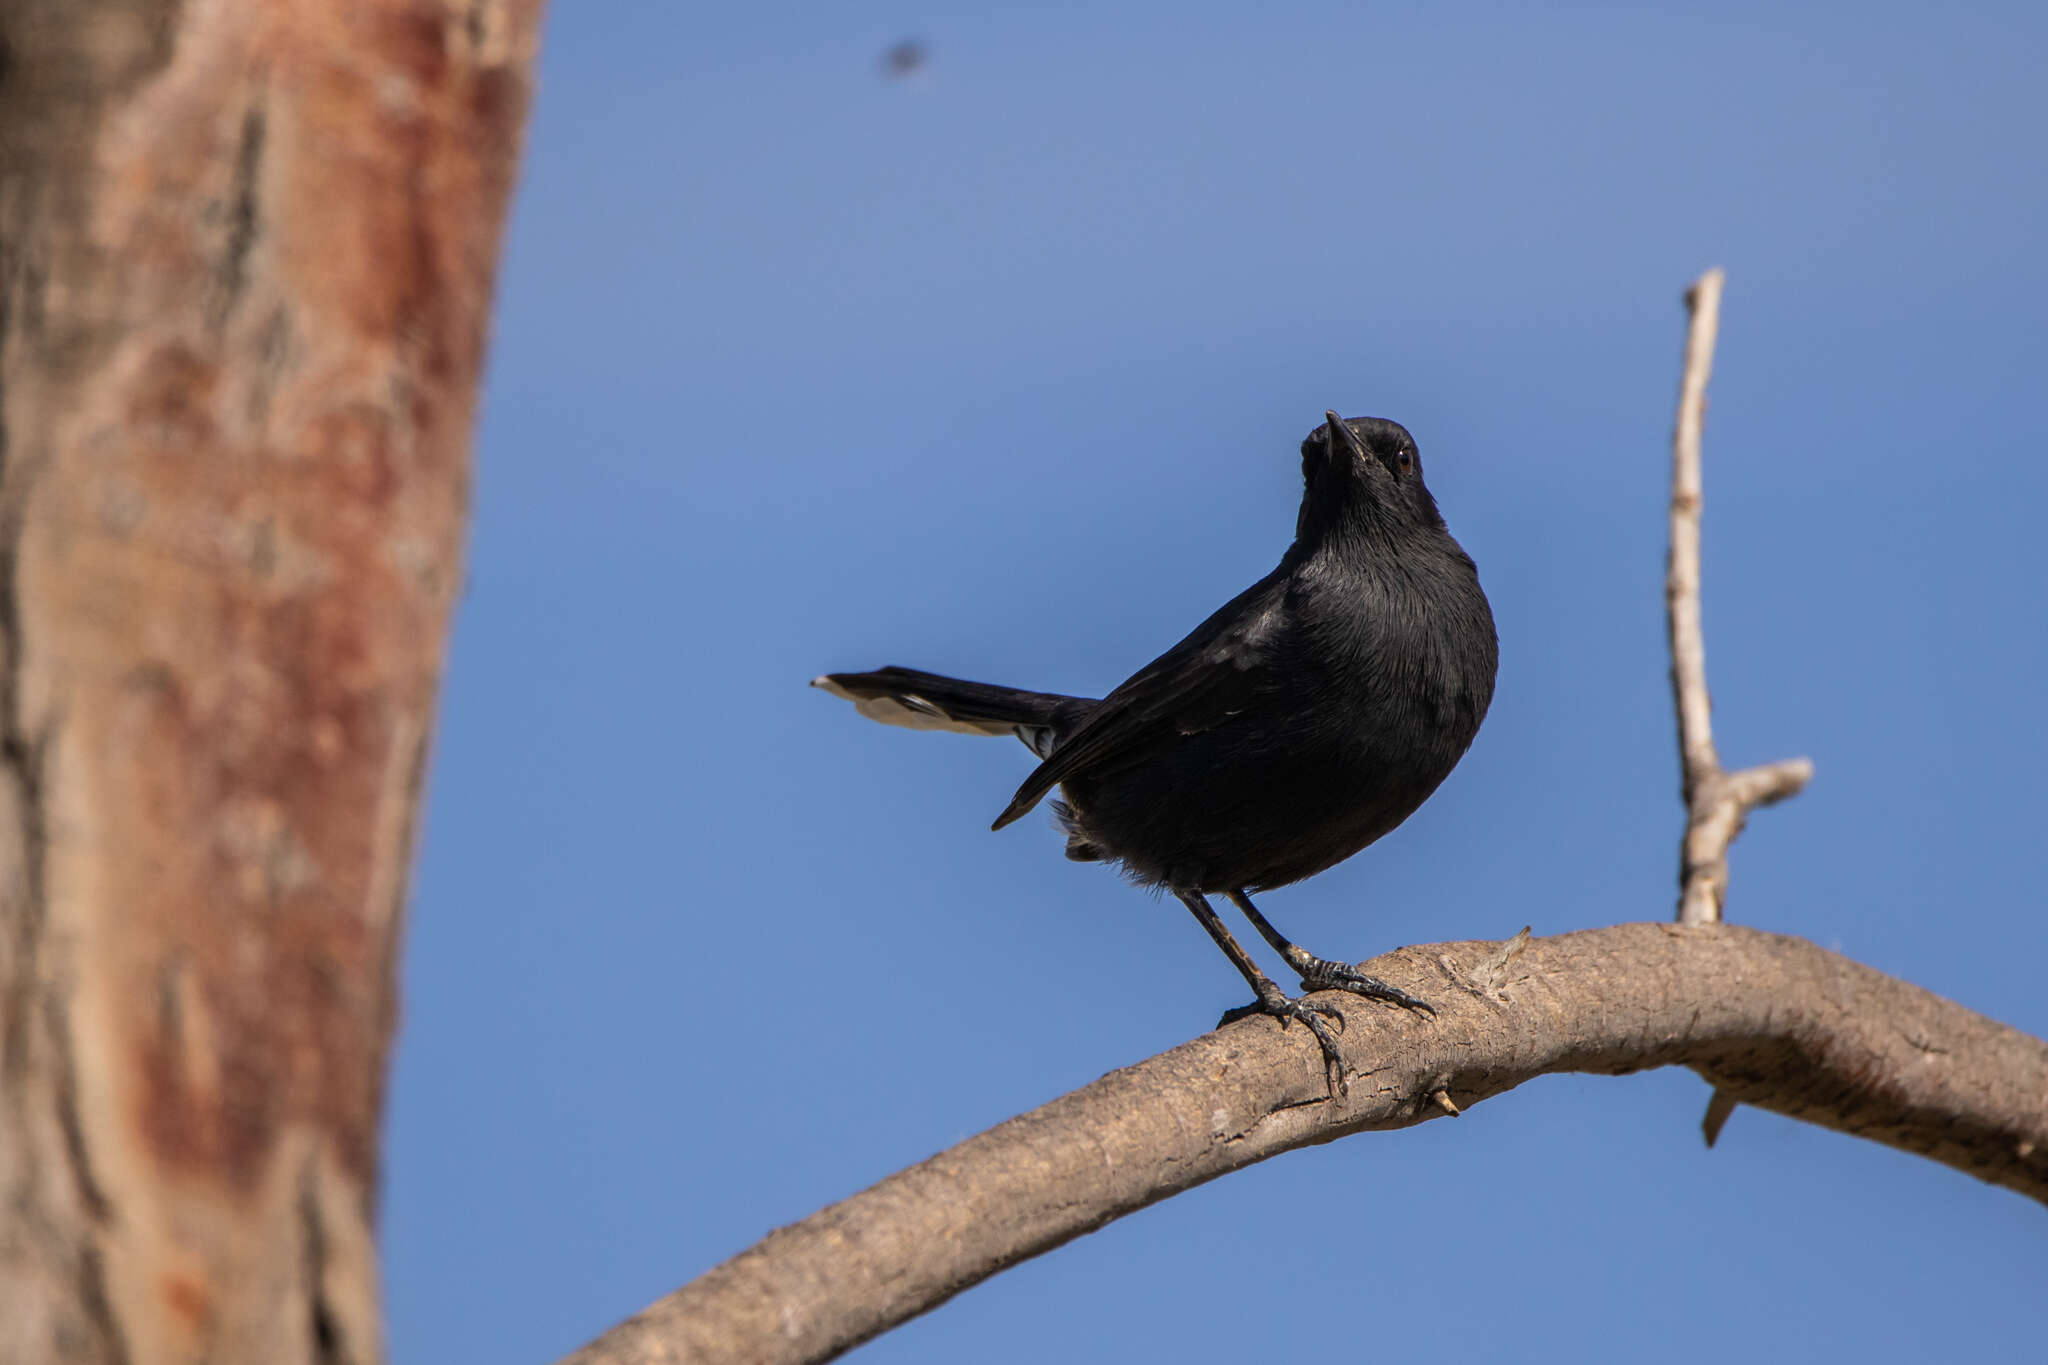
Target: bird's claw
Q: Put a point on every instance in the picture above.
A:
(1321, 975)
(1313, 1014)
(1302, 1009)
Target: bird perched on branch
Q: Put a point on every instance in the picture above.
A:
(1309, 716)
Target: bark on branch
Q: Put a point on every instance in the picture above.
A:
(1769, 1020)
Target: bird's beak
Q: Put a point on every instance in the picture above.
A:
(1342, 437)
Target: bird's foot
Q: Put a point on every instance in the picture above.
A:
(1313, 1013)
(1321, 975)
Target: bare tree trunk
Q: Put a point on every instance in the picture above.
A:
(246, 252)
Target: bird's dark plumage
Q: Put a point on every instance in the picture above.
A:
(1307, 717)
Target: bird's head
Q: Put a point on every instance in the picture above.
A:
(1364, 472)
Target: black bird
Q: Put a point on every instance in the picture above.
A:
(1309, 716)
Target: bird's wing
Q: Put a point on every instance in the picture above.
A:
(1197, 685)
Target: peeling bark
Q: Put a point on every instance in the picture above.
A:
(246, 253)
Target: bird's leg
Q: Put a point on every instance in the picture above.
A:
(1272, 1000)
(1319, 974)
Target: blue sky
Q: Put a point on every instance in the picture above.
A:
(1000, 370)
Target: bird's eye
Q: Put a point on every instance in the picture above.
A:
(1405, 458)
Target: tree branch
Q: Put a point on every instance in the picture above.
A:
(1771, 1021)
(1716, 803)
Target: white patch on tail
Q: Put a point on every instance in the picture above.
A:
(912, 712)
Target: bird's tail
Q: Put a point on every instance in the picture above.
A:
(928, 701)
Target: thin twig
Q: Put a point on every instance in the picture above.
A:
(1716, 803)
(1682, 572)
(1719, 1108)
